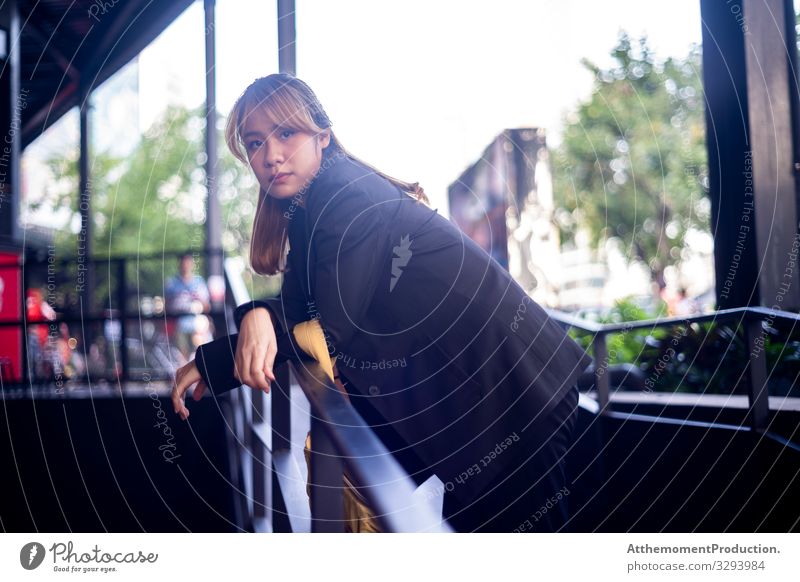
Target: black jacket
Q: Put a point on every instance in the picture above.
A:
(445, 355)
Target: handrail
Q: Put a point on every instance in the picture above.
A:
(339, 436)
(752, 318)
(759, 313)
(114, 310)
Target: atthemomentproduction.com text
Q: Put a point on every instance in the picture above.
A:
(707, 549)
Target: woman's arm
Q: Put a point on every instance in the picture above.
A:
(287, 309)
(216, 361)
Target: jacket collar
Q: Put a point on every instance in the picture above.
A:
(330, 159)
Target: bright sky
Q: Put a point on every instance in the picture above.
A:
(417, 88)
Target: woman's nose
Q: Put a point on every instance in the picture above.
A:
(272, 155)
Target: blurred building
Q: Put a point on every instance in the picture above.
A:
(504, 202)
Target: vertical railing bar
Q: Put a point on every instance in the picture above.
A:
(253, 412)
(758, 392)
(281, 424)
(327, 495)
(602, 383)
(123, 320)
(25, 371)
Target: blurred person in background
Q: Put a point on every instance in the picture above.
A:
(188, 293)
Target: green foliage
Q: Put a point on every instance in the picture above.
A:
(627, 346)
(632, 164)
(154, 200)
(701, 358)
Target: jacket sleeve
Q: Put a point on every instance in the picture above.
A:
(287, 309)
(215, 360)
(352, 246)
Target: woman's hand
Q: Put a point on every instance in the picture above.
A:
(185, 376)
(256, 349)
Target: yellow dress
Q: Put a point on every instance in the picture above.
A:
(310, 338)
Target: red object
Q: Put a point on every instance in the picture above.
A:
(10, 310)
(35, 312)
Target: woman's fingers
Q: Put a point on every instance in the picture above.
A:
(199, 390)
(254, 370)
(269, 376)
(185, 376)
(256, 350)
(269, 362)
(239, 365)
(258, 379)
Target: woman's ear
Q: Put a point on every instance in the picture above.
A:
(324, 138)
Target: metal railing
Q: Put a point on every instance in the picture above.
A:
(751, 318)
(340, 439)
(102, 308)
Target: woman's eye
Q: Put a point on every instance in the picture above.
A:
(287, 133)
(255, 144)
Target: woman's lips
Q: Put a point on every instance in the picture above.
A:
(280, 178)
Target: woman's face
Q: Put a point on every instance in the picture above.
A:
(284, 160)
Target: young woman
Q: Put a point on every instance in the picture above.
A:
(457, 370)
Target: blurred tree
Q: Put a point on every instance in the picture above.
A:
(632, 163)
(153, 200)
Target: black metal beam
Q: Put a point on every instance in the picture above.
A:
(767, 48)
(129, 29)
(729, 155)
(13, 104)
(104, 50)
(46, 42)
(287, 37)
(749, 57)
(85, 246)
(214, 269)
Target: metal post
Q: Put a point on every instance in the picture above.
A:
(85, 247)
(83, 175)
(281, 423)
(122, 288)
(729, 154)
(13, 104)
(258, 460)
(26, 378)
(766, 46)
(287, 37)
(602, 384)
(327, 495)
(758, 391)
(213, 239)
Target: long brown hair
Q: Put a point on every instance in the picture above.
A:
(292, 104)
